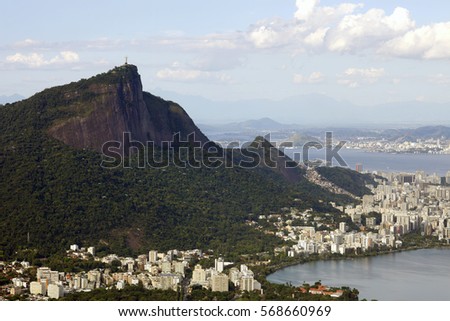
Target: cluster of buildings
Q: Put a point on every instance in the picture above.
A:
(165, 271)
(339, 241)
(400, 204)
(244, 279)
(154, 271)
(412, 202)
(320, 289)
(420, 146)
(48, 283)
(216, 280)
(21, 281)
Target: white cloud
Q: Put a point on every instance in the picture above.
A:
(27, 43)
(313, 78)
(370, 73)
(191, 75)
(214, 43)
(36, 60)
(346, 28)
(427, 42)
(216, 61)
(263, 36)
(270, 34)
(316, 28)
(357, 32)
(310, 13)
(316, 38)
(210, 42)
(181, 74)
(67, 56)
(355, 77)
(309, 29)
(305, 9)
(31, 60)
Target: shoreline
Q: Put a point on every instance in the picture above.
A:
(304, 260)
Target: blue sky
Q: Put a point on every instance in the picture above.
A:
(366, 52)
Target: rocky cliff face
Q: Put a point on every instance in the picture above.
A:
(106, 106)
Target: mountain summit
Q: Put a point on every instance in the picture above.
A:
(103, 107)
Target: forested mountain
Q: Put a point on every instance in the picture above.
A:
(54, 191)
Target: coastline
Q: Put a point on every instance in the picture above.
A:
(270, 269)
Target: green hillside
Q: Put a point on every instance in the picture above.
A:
(59, 195)
(348, 179)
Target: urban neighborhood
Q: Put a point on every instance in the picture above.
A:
(401, 203)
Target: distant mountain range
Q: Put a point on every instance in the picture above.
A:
(427, 132)
(262, 124)
(299, 133)
(313, 110)
(395, 134)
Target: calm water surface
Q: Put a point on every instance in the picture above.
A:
(430, 163)
(411, 275)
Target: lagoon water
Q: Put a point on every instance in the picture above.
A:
(420, 275)
(429, 163)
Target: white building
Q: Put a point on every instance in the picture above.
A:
(219, 283)
(55, 291)
(15, 290)
(178, 267)
(38, 288)
(18, 282)
(120, 285)
(169, 281)
(91, 250)
(45, 273)
(199, 275)
(153, 256)
(247, 283)
(219, 264)
(234, 276)
(166, 267)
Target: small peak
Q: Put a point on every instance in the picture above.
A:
(260, 142)
(126, 71)
(125, 67)
(259, 139)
